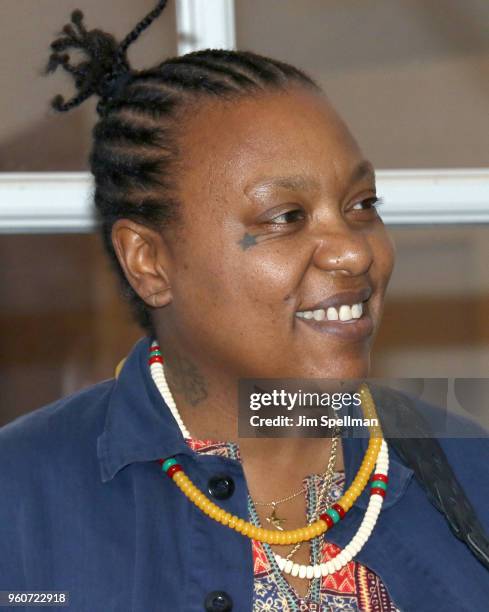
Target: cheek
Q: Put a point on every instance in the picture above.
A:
(384, 252)
(242, 289)
(234, 308)
(223, 282)
(269, 278)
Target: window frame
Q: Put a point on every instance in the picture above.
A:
(45, 202)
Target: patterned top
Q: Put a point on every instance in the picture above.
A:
(355, 588)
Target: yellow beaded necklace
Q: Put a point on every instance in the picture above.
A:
(303, 534)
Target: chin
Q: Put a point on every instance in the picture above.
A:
(358, 367)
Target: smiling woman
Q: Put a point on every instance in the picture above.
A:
(332, 254)
(240, 215)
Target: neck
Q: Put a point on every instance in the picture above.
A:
(207, 401)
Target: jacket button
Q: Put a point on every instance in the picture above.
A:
(218, 601)
(221, 486)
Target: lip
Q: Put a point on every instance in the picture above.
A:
(354, 330)
(345, 297)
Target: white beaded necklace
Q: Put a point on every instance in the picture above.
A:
(287, 565)
(356, 543)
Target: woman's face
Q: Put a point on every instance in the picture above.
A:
(277, 220)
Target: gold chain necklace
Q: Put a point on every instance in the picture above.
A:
(273, 519)
(276, 521)
(326, 487)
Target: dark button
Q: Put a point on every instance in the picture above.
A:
(218, 601)
(221, 486)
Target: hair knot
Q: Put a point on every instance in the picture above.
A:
(111, 85)
(106, 71)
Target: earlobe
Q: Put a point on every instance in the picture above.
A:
(144, 259)
(160, 298)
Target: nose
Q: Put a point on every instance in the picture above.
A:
(342, 248)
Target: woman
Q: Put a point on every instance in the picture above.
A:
(240, 215)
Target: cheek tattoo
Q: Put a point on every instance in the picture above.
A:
(247, 241)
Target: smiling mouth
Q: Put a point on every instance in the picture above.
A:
(343, 313)
(348, 322)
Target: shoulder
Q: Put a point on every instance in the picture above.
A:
(62, 428)
(463, 439)
(48, 458)
(464, 442)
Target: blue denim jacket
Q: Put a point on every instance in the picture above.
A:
(85, 508)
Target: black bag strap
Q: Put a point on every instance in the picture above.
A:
(425, 456)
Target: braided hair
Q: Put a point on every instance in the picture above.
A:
(135, 146)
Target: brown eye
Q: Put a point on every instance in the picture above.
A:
(368, 204)
(291, 216)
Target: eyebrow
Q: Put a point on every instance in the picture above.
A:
(303, 183)
(362, 170)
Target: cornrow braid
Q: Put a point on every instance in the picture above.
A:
(135, 150)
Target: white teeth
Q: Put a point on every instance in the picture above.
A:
(356, 311)
(332, 314)
(319, 314)
(345, 313)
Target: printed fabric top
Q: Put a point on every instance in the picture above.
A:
(355, 588)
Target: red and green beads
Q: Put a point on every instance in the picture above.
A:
(155, 355)
(333, 515)
(170, 466)
(378, 484)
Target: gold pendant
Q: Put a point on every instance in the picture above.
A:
(275, 520)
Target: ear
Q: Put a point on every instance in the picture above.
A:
(145, 260)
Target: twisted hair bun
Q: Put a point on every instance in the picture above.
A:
(107, 71)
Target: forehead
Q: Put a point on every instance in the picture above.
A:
(230, 146)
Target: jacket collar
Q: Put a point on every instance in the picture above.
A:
(140, 427)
